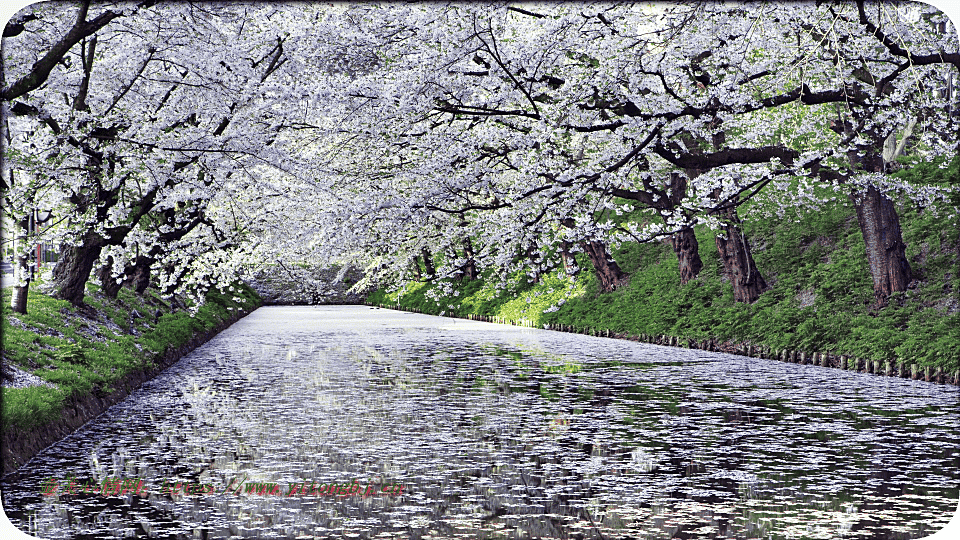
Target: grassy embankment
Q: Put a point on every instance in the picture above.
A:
(821, 296)
(89, 351)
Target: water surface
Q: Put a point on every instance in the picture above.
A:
(496, 432)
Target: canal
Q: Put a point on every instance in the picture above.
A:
(358, 422)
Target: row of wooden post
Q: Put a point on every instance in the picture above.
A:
(838, 361)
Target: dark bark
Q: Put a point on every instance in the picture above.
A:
(42, 67)
(738, 265)
(880, 226)
(685, 245)
(727, 156)
(428, 263)
(608, 271)
(892, 45)
(108, 284)
(138, 275)
(72, 271)
(174, 278)
(470, 268)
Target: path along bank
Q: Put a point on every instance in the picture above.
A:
(70, 364)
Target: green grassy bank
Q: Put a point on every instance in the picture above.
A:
(820, 300)
(93, 352)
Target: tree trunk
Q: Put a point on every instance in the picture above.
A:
(685, 245)
(108, 284)
(608, 271)
(138, 276)
(18, 302)
(72, 271)
(470, 269)
(21, 270)
(880, 226)
(416, 268)
(21, 273)
(428, 263)
(738, 266)
(569, 261)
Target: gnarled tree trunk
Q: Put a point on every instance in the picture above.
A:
(685, 245)
(880, 225)
(608, 271)
(138, 275)
(748, 283)
(73, 269)
(108, 284)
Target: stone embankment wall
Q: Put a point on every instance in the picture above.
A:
(290, 285)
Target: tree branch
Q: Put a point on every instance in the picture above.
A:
(41, 68)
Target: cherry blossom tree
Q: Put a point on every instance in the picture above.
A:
(442, 141)
(147, 122)
(577, 105)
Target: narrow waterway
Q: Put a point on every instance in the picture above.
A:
(453, 428)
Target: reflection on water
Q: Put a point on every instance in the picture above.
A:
(499, 432)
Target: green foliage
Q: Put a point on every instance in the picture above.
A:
(30, 407)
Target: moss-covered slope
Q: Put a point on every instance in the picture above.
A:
(821, 296)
